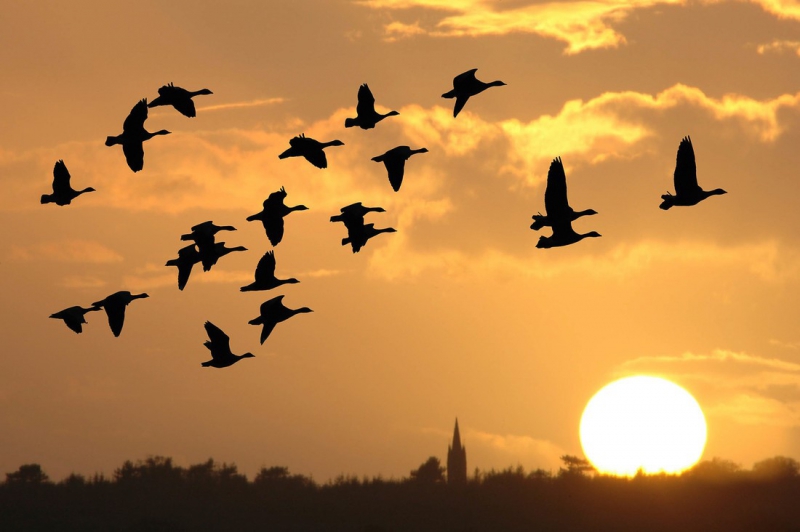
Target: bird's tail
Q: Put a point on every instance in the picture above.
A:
(538, 222)
(345, 241)
(350, 122)
(450, 94)
(669, 201)
(206, 364)
(172, 262)
(378, 158)
(256, 321)
(47, 199)
(110, 141)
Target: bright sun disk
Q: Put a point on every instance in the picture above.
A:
(641, 422)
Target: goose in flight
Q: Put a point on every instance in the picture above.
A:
(687, 191)
(309, 148)
(210, 257)
(63, 193)
(272, 215)
(220, 346)
(133, 135)
(114, 306)
(352, 216)
(367, 116)
(357, 236)
(187, 258)
(203, 235)
(74, 317)
(272, 313)
(466, 85)
(179, 98)
(555, 199)
(395, 162)
(563, 235)
(265, 275)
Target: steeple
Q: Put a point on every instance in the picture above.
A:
(456, 460)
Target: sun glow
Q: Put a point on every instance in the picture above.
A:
(645, 423)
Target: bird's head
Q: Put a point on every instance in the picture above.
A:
(248, 355)
(336, 143)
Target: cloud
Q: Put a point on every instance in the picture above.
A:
(582, 25)
(80, 251)
(740, 387)
(779, 47)
(242, 105)
(525, 449)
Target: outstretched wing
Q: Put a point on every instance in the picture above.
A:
(60, 178)
(396, 168)
(274, 229)
(366, 101)
(134, 155)
(316, 156)
(464, 79)
(685, 169)
(136, 117)
(116, 317)
(219, 343)
(265, 269)
(460, 102)
(555, 195)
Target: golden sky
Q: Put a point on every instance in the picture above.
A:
(456, 314)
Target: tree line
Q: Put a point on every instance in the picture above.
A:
(155, 494)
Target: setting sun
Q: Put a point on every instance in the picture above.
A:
(645, 423)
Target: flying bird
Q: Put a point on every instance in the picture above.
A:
(563, 235)
(466, 85)
(555, 199)
(133, 135)
(211, 255)
(272, 215)
(357, 237)
(203, 235)
(114, 306)
(366, 117)
(220, 346)
(187, 258)
(265, 275)
(63, 193)
(272, 313)
(352, 216)
(179, 98)
(395, 162)
(74, 317)
(687, 191)
(309, 148)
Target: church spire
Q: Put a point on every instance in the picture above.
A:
(456, 460)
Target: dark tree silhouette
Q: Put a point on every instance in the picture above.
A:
(430, 472)
(27, 475)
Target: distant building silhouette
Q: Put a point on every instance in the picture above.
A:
(456, 460)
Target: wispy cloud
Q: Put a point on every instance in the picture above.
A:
(81, 251)
(242, 105)
(515, 448)
(779, 47)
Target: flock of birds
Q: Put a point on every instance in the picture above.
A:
(205, 250)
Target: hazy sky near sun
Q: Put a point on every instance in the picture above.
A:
(456, 314)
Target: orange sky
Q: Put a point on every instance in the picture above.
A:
(456, 314)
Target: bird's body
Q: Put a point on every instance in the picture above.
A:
(687, 191)
(114, 306)
(271, 216)
(63, 193)
(210, 257)
(395, 161)
(357, 237)
(366, 117)
(265, 275)
(179, 98)
(466, 85)
(133, 135)
(302, 146)
(272, 313)
(555, 200)
(74, 316)
(352, 216)
(203, 234)
(220, 346)
(187, 258)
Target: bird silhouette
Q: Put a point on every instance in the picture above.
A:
(272, 215)
(133, 135)
(309, 148)
(179, 98)
(395, 162)
(366, 117)
(220, 346)
(466, 85)
(687, 191)
(74, 317)
(555, 199)
(114, 306)
(210, 257)
(203, 235)
(187, 258)
(357, 236)
(353, 215)
(63, 193)
(265, 275)
(272, 313)
(563, 235)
